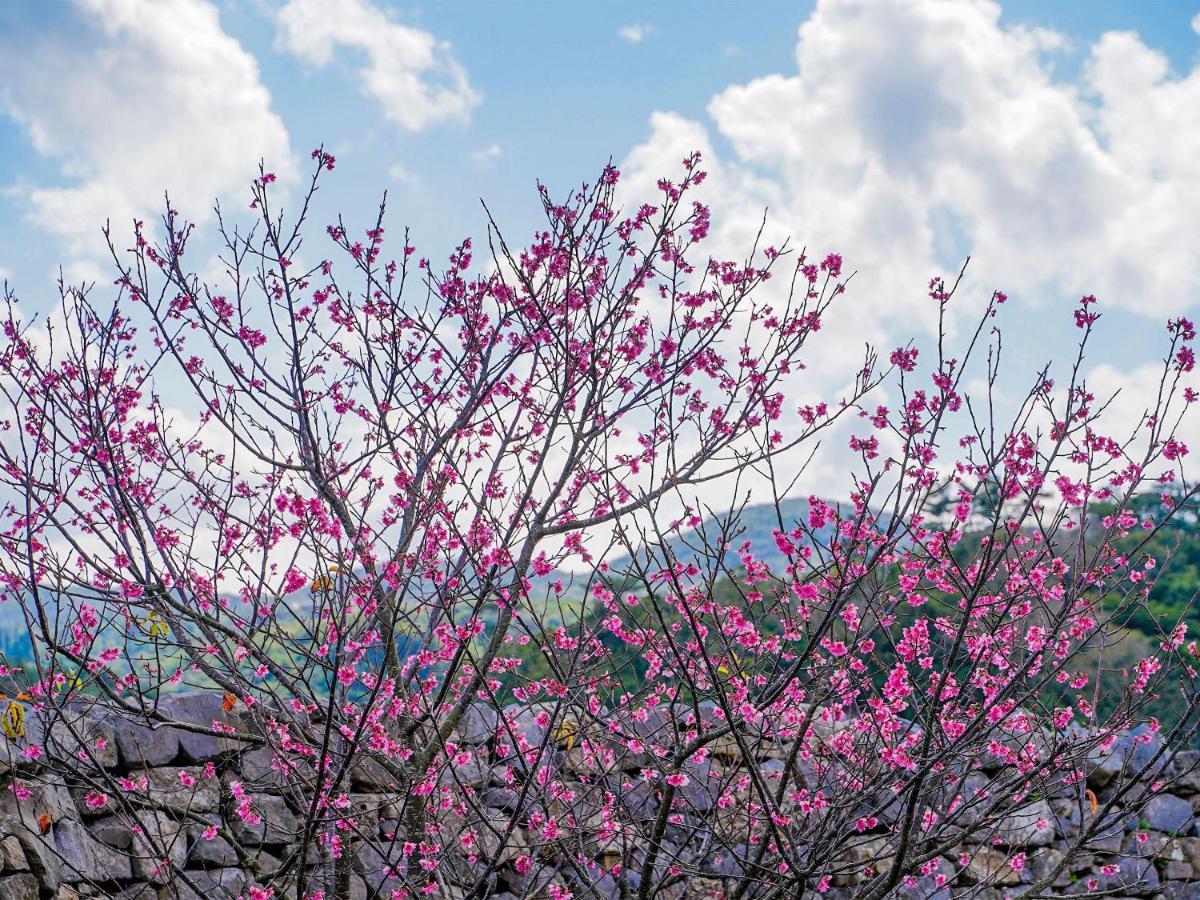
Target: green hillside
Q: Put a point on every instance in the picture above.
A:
(1137, 628)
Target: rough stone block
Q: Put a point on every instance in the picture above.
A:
(988, 866)
(203, 708)
(19, 887)
(12, 855)
(475, 773)
(1130, 755)
(112, 831)
(1184, 772)
(1178, 890)
(1133, 876)
(210, 884)
(168, 788)
(145, 746)
(478, 725)
(80, 737)
(378, 870)
(160, 849)
(206, 853)
(21, 817)
(87, 859)
(1030, 826)
(136, 892)
(278, 826)
(1167, 813)
(1179, 871)
(368, 774)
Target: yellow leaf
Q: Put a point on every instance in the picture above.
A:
(12, 723)
(155, 626)
(565, 734)
(325, 582)
(725, 671)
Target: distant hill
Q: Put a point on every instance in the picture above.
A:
(755, 523)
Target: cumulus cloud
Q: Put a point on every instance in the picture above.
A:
(635, 33)
(408, 72)
(141, 98)
(911, 133)
(1132, 397)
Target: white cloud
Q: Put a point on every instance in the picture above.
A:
(911, 130)
(487, 155)
(410, 73)
(1133, 396)
(911, 134)
(635, 33)
(147, 97)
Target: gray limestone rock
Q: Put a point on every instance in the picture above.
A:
(12, 855)
(201, 709)
(1130, 755)
(19, 887)
(478, 725)
(168, 786)
(208, 884)
(87, 859)
(1030, 826)
(141, 745)
(278, 826)
(160, 849)
(1167, 813)
(378, 869)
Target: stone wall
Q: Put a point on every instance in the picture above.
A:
(65, 833)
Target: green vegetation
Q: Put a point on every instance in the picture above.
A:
(1139, 624)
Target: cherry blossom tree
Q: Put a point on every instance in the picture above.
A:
(452, 565)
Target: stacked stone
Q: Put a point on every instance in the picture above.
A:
(59, 840)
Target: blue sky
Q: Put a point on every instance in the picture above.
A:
(1058, 143)
(561, 91)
